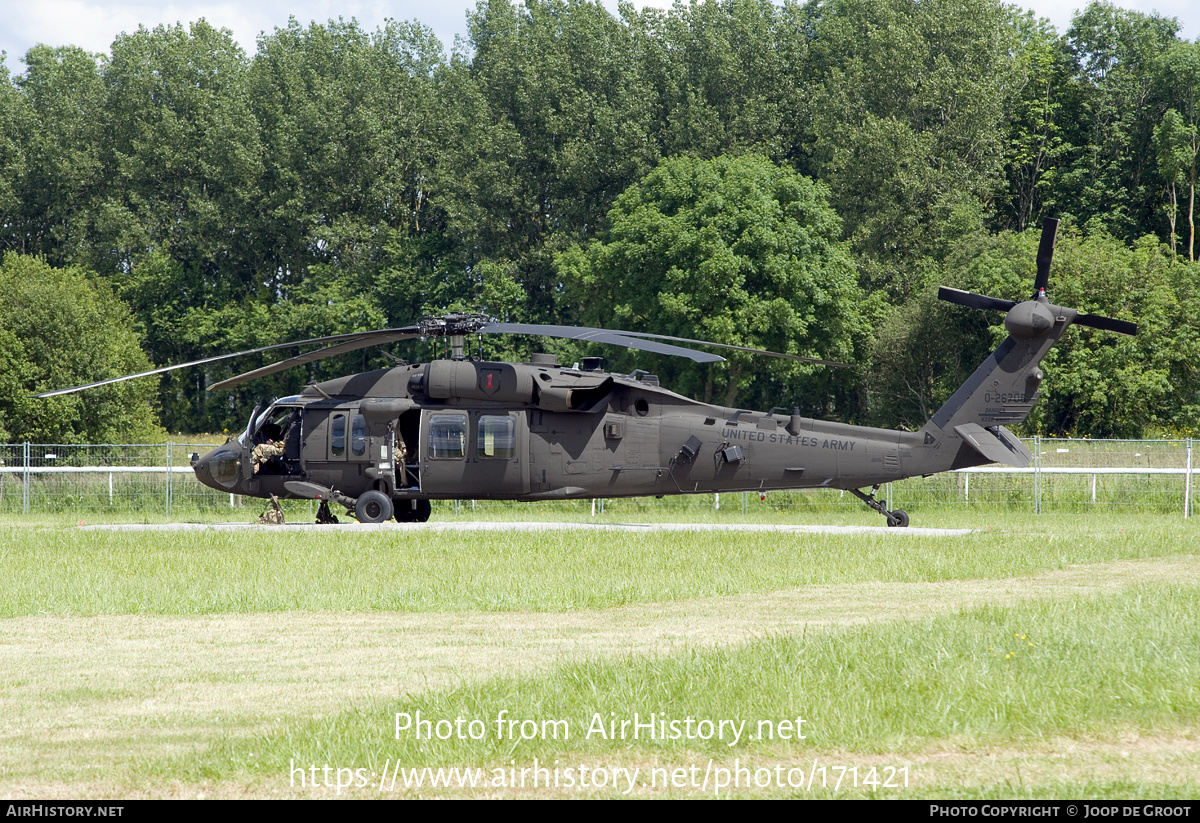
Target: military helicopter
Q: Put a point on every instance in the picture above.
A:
(385, 443)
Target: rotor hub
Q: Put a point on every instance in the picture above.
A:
(1029, 320)
(454, 324)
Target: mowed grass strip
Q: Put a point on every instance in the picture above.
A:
(74, 572)
(1062, 687)
(104, 735)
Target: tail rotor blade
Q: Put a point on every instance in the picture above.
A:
(1045, 254)
(974, 301)
(1107, 323)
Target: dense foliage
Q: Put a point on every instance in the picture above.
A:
(63, 327)
(798, 176)
(735, 250)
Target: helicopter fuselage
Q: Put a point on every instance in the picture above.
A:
(466, 429)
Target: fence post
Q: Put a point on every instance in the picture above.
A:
(25, 477)
(1037, 474)
(1187, 482)
(169, 467)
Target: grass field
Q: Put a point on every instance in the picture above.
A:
(1049, 656)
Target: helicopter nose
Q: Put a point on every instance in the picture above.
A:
(201, 468)
(218, 469)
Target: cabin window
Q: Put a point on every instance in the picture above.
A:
(447, 436)
(497, 437)
(358, 435)
(337, 435)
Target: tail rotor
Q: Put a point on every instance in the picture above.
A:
(1036, 316)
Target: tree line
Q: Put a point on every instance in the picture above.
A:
(798, 177)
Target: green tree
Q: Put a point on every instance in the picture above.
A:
(734, 250)
(65, 92)
(351, 126)
(551, 122)
(922, 351)
(723, 76)
(1036, 142)
(183, 159)
(178, 226)
(1176, 144)
(1098, 384)
(64, 327)
(1110, 112)
(14, 131)
(909, 119)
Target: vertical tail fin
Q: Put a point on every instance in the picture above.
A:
(1004, 389)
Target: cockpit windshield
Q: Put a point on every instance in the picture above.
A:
(276, 439)
(245, 436)
(274, 425)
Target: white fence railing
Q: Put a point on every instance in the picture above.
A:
(1147, 475)
(58, 477)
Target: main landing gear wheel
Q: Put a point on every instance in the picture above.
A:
(897, 519)
(373, 507)
(413, 511)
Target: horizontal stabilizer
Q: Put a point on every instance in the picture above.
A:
(997, 444)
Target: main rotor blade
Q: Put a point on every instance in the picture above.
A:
(1045, 254)
(601, 336)
(972, 300)
(361, 341)
(1106, 323)
(411, 331)
(629, 339)
(833, 363)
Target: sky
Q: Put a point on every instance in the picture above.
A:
(94, 24)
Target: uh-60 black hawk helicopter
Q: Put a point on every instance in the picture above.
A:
(385, 443)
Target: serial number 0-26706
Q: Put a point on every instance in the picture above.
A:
(1003, 397)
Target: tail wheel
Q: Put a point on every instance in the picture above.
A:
(898, 518)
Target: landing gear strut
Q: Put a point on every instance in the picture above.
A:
(897, 518)
(324, 515)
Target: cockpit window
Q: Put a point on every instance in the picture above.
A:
(277, 424)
